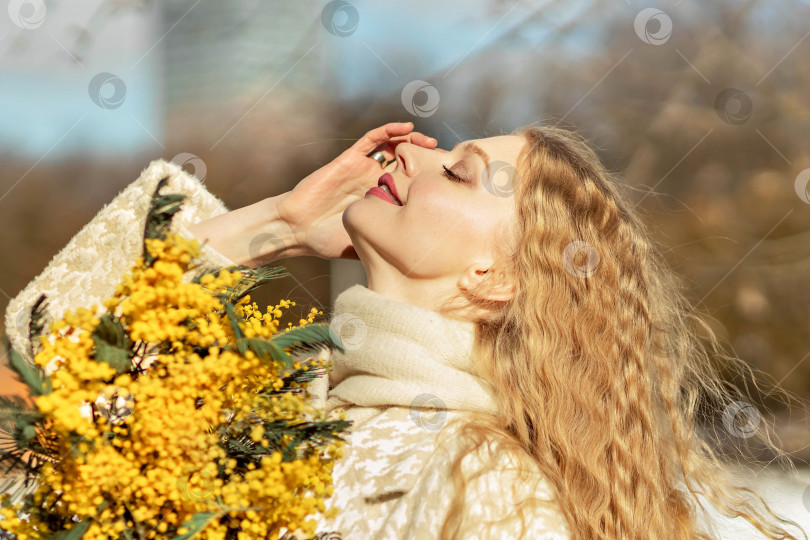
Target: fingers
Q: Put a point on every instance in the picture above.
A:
(393, 134)
(377, 136)
(421, 139)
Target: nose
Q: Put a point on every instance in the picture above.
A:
(404, 162)
(410, 157)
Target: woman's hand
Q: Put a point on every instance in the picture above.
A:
(314, 207)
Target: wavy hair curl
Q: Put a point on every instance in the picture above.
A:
(597, 363)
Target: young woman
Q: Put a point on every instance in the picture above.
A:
(522, 363)
(568, 352)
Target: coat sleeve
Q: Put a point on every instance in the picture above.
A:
(86, 270)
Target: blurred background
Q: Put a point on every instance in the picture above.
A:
(704, 108)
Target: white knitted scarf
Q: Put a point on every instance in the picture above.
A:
(401, 354)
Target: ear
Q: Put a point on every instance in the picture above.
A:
(496, 288)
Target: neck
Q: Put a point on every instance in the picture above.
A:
(425, 293)
(400, 354)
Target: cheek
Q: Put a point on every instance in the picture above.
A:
(436, 208)
(453, 220)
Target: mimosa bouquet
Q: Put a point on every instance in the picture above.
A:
(179, 410)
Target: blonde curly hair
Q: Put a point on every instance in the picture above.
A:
(599, 375)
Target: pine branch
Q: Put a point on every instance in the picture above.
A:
(10, 407)
(302, 376)
(234, 320)
(161, 211)
(252, 278)
(304, 437)
(308, 372)
(36, 325)
(308, 338)
(309, 434)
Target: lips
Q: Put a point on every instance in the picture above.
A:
(382, 194)
(388, 181)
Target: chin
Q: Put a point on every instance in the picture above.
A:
(355, 222)
(364, 233)
(361, 216)
(350, 218)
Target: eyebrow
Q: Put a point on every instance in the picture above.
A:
(475, 149)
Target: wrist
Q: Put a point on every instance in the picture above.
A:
(254, 235)
(276, 237)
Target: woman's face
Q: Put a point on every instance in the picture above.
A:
(441, 237)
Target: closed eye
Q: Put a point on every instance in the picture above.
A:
(451, 175)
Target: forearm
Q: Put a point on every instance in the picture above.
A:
(253, 235)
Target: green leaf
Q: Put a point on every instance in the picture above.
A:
(161, 211)
(234, 319)
(266, 349)
(116, 357)
(309, 435)
(308, 337)
(29, 432)
(76, 532)
(253, 278)
(32, 375)
(196, 524)
(112, 343)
